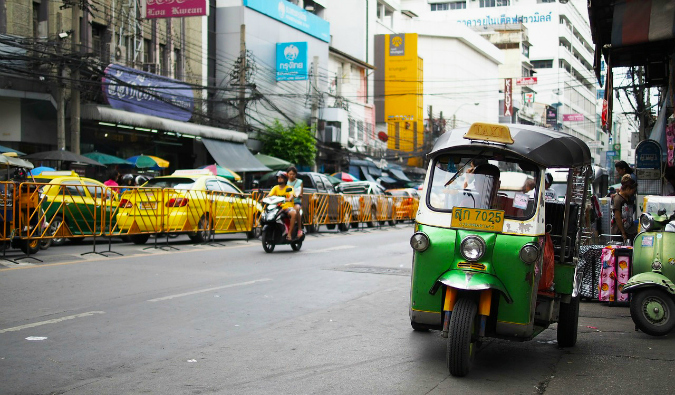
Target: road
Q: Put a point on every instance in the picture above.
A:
(231, 319)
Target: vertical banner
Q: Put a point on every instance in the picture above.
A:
(508, 102)
(292, 61)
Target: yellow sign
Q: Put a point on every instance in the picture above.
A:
(489, 132)
(477, 219)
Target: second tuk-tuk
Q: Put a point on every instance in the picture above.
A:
(490, 262)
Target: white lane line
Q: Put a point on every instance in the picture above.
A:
(54, 321)
(329, 249)
(209, 290)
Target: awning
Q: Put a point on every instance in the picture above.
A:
(233, 156)
(388, 180)
(399, 174)
(364, 170)
(108, 114)
(272, 162)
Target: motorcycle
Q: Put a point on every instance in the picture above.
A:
(652, 305)
(276, 225)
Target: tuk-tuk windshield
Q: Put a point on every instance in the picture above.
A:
(485, 183)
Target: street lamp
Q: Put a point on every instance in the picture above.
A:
(454, 119)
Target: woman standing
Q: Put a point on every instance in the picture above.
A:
(622, 210)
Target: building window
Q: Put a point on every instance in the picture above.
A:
(177, 65)
(526, 72)
(494, 3)
(99, 40)
(147, 46)
(352, 128)
(359, 127)
(542, 64)
(455, 5)
(526, 50)
(163, 69)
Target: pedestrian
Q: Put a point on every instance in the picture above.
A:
(623, 211)
(296, 183)
(127, 181)
(622, 168)
(113, 178)
(549, 193)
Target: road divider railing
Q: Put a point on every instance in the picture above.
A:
(6, 209)
(328, 209)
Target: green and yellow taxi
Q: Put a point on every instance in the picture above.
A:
(491, 260)
(189, 201)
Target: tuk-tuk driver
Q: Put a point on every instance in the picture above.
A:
(487, 184)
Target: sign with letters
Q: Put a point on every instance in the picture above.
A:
(292, 61)
(174, 8)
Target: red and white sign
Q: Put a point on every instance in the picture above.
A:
(508, 101)
(174, 8)
(573, 117)
(526, 81)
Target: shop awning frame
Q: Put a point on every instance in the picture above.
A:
(233, 156)
(102, 113)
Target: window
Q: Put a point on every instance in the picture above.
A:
(455, 5)
(542, 64)
(36, 19)
(96, 190)
(526, 50)
(494, 3)
(98, 40)
(352, 128)
(147, 46)
(227, 187)
(212, 185)
(163, 69)
(177, 65)
(319, 184)
(328, 185)
(359, 127)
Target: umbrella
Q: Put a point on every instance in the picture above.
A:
(273, 163)
(64, 156)
(14, 162)
(334, 180)
(107, 159)
(222, 172)
(345, 177)
(4, 149)
(40, 169)
(148, 162)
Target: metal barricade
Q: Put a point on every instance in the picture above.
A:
(6, 209)
(233, 213)
(385, 209)
(138, 213)
(330, 209)
(367, 208)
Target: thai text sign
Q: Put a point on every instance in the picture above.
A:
(174, 8)
(508, 101)
(526, 81)
(292, 61)
(293, 16)
(573, 117)
(137, 91)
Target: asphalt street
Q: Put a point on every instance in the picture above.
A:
(228, 318)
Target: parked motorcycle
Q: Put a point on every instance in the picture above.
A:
(276, 224)
(652, 306)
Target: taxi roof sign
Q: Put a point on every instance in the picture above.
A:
(492, 132)
(57, 173)
(192, 172)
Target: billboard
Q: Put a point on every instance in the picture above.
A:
(293, 16)
(573, 117)
(137, 91)
(551, 115)
(174, 8)
(292, 61)
(526, 81)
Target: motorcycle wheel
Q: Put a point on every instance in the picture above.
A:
(296, 245)
(268, 241)
(653, 311)
(30, 247)
(568, 322)
(461, 348)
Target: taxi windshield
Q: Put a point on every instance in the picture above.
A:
(484, 183)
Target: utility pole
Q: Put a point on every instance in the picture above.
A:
(242, 78)
(315, 103)
(75, 89)
(60, 103)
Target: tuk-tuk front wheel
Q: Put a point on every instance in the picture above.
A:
(568, 323)
(461, 345)
(653, 311)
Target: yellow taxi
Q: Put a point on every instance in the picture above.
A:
(74, 205)
(190, 201)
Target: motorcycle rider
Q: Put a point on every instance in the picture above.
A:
(282, 189)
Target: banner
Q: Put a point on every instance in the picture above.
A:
(293, 16)
(174, 8)
(573, 117)
(508, 102)
(292, 61)
(526, 81)
(551, 115)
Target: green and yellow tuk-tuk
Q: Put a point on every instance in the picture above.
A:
(482, 265)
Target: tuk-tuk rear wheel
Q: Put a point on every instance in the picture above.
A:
(461, 347)
(653, 311)
(30, 247)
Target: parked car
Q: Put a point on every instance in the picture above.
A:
(317, 183)
(374, 200)
(74, 205)
(406, 204)
(188, 207)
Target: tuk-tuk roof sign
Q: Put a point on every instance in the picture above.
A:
(492, 132)
(543, 146)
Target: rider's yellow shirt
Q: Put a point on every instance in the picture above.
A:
(285, 191)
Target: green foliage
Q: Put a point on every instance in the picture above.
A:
(295, 144)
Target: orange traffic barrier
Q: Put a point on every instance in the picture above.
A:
(329, 209)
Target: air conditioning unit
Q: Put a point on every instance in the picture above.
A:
(120, 53)
(151, 67)
(331, 134)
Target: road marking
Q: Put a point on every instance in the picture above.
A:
(209, 290)
(54, 321)
(330, 249)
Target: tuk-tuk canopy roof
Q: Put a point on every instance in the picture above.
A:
(545, 147)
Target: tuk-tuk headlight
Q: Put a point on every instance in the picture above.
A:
(419, 242)
(529, 253)
(646, 221)
(472, 248)
(657, 265)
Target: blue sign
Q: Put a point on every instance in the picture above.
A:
(137, 91)
(293, 16)
(292, 61)
(648, 155)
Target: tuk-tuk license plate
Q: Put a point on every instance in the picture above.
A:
(477, 219)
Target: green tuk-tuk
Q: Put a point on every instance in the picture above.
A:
(483, 263)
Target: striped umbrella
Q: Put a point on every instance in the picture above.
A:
(346, 177)
(149, 162)
(222, 172)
